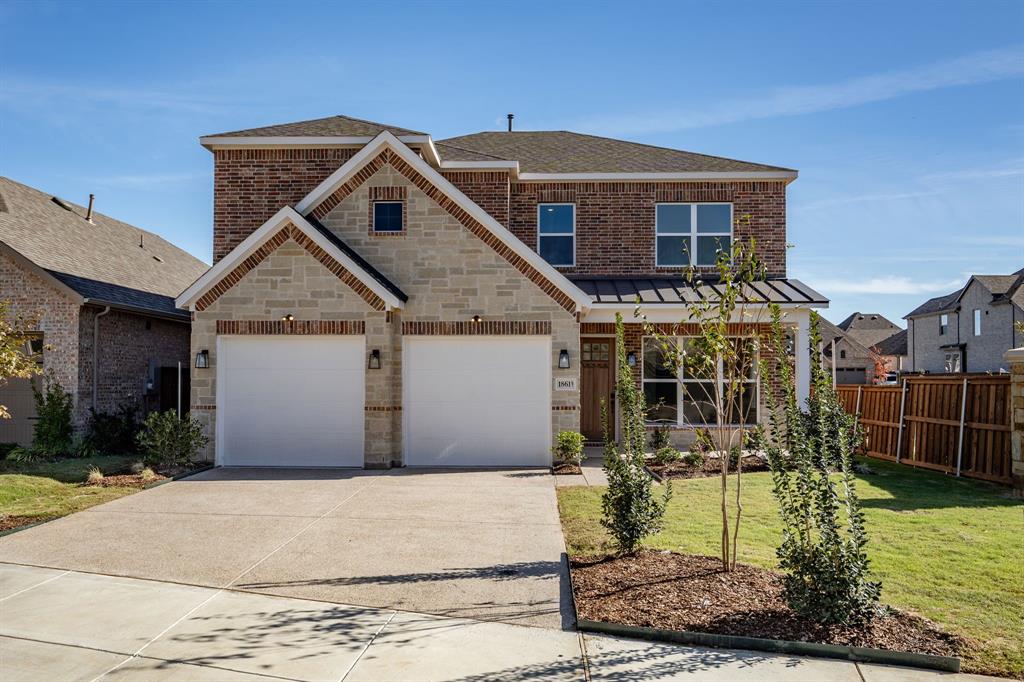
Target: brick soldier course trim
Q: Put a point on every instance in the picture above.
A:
(208, 408)
(388, 194)
(383, 408)
(259, 255)
(387, 157)
(564, 408)
(291, 327)
(481, 328)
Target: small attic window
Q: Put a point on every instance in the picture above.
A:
(60, 202)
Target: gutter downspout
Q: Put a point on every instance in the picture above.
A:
(96, 355)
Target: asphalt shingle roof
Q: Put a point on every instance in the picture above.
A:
(868, 328)
(560, 151)
(331, 126)
(101, 259)
(937, 304)
(894, 345)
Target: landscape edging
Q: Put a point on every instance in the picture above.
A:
(778, 646)
(178, 477)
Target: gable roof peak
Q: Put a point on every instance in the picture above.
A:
(338, 125)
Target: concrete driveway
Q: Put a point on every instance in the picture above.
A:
(485, 545)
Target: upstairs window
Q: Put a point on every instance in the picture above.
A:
(691, 234)
(556, 234)
(977, 322)
(387, 216)
(943, 324)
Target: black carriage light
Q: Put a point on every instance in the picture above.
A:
(631, 359)
(374, 359)
(563, 359)
(476, 319)
(203, 359)
(288, 318)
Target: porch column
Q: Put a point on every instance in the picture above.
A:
(802, 349)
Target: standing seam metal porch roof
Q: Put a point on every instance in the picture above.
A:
(679, 290)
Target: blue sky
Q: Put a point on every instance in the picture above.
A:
(905, 119)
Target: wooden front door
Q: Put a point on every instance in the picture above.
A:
(597, 382)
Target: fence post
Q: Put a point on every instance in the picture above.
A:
(856, 410)
(963, 414)
(899, 433)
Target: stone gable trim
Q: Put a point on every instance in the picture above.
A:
(291, 327)
(287, 232)
(387, 157)
(564, 408)
(382, 408)
(482, 328)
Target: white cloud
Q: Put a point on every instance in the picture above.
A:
(888, 285)
(979, 67)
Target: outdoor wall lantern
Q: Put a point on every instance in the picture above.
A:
(476, 319)
(631, 359)
(288, 318)
(563, 359)
(203, 359)
(374, 359)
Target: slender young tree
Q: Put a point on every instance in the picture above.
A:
(713, 352)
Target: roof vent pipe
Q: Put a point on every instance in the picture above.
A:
(510, 117)
(88, 211)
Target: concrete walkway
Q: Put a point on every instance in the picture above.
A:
(592, 470)
(60, 626)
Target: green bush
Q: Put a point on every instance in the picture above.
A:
(659, 439)
(53, 430)
(113, 433)
(630, 511)
(23, 455)
(666, 455)
(569, 448)
(694, 458)
(823, 552)
(166, 440)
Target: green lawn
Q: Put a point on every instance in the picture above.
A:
(949, 549)
(45, 490)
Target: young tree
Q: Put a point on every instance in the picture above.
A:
(16, 361)
(716, 347)
(630, 509)
(823, 542)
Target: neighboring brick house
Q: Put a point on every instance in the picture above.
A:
(379, 298)
(853, 361)
(968, 330)
(103, 292)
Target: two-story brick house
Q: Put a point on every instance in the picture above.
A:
(380, 298)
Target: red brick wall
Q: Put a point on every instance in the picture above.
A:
(250, 185)
(488, 190)
(125, 348)
(615, 220)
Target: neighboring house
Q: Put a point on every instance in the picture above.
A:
(894, 351)
(871, 329)
(970, 329)
(379, 298)
(853, 360)
(103, 291)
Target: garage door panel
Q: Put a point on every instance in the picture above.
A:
(291, 401)
(477, 401)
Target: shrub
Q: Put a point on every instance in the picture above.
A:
(166, 440)
(630, 511)
(95, 476)
(666, 455)
(148, 474)
(659, 439)
(569, 447)
(23, 455)
(5, 449)
(53, 429)
(113, 433)
(694, 458)
(823, 542)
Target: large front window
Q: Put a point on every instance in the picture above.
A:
(686, 396)
(691, 234)
(556, 234)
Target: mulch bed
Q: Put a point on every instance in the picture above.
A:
(566, 469)
(127, 481)
(10, 522)
(689, 592)
(711, 467)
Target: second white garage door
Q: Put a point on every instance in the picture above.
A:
(477, 401)
(290, 401)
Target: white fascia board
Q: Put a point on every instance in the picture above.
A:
(353, 165)
(787, 176)
(674, 312)
(287, 214)
(511, 167)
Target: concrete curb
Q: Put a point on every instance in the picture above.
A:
(777, 646)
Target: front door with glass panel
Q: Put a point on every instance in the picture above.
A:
(597, 381)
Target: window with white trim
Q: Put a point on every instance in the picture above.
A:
(688, 398)
(943, 324)
(556, 234)
(952, 362)
(977, 322)
(691, 234)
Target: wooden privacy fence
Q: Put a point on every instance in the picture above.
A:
(957, 424)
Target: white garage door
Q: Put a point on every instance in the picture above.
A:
(477, 401)
(290, 401)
